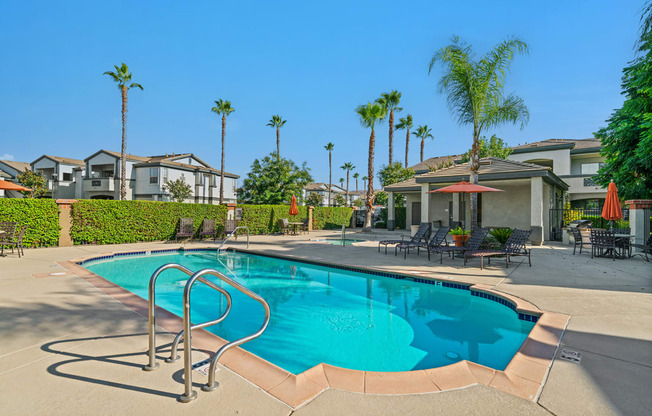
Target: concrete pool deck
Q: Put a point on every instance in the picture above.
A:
(70, 349)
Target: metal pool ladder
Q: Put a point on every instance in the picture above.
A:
(233, 233)
(189, 394)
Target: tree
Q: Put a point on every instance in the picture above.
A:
(33, 180)
(224, 108)
(406, 123)
(356, 176)
(370, 114)
(329, 147)
(123, 77)
(274, 180)
(348, 167)
(395, 173)
(423, 132)
(627, 139)
(359, 203)
(342, 183)
(179, 190)
(340, 201)
(314, 199)
(364, 186)
(495, 147)
(381, 198)
(277, 122)
(475, 93)
(390, 101)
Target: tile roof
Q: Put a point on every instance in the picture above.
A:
(129, 156)
(572, 143)
(21, 166)
(433, 162)
(66, 160)
(4, 175)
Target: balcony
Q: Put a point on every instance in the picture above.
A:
(99, 184)
(582, 184)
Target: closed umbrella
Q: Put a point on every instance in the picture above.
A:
(294, 210)
(611, 210)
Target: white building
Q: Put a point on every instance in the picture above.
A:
(59, 172)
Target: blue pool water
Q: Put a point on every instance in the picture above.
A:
(322, 314)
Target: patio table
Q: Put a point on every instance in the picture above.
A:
(295, 225)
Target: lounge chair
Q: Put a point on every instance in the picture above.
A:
(208, 229)
(646, 248)
(579, 239)
(514, 246)
(186, 229)
(422, 235)
(437, 240)
(14, 240)
(473, 244)
(229, 227)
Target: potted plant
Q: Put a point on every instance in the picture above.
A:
(460, 236)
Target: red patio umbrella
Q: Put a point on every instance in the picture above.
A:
(294, 210)
(611, 210)
(465, 187)
(10, 186)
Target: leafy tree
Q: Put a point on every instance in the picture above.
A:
(390, 101)
(339, 201)
(423, 132)
(277, 122)
(405, 123)
(495, 147)
(475, 93)
(179, 190)
(224, 108)
(123, 77)
(314, 199)
(359, 203)
(274, 180)
(348, 167)
(393, 174)
(627, 139)
(381, 198)
(329, 147)
(35, 181)
(370, 114)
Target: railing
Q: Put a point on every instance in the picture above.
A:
(211, 385)
(560, 218)
(231, 234)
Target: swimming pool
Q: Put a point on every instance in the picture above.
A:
(340, 317)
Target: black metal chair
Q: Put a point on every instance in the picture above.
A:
(229, 227)
(186, 229)
(208, 229)
(473, 244)
(13, 240)
(422, 235)
(603, 243)
(579, 239)
(437, 240)
(623, 243)
(645, 248)
(514, 246)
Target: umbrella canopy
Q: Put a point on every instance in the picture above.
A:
(10, 186)
(294, 210)
(465, 187)
(611, 210)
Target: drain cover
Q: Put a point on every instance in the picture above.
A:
(570, 355)
(453, 355)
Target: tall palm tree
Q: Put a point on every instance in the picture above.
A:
(224, 108)
(390, 101)
(423, 132)
(364, 186)
(406, 123)
(342, 183)
(370, 114)
(475, 93)
(348, 167)
(356, 176)
(330, 147)
(123, 77)
(277, 122)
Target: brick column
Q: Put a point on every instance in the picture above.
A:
(310, 208)
(230, 213)
(639, 219)
(65, 221)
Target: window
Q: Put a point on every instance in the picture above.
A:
(153, 175)
(591, 168)
(165, 175)
(67, 176)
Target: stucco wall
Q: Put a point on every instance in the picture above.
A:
(510, 208)
(561, 159)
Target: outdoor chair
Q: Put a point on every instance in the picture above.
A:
(284, 226)
(185, 229)
(645, 248)
(437, 240)
(229, 227)
(14, 241)
(422, 235)
(305, 226)
(514, 246)
(623, 243)
(603, 243)
(9, 229)
(579, 239)
(473, 244)
(208, 229)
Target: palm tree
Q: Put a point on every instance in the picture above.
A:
(370, 114)
(278, 122)
(406, 123)
(342, 183)
(356, 176)
(390, 100)
(475, 93)
(348, 167)
(423, 132)
(224, 108)
(364, 186)
(123, 77)
(330, 147)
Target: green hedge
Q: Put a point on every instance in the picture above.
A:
(331, 218)
(115, 222)
(41, 216)
(400, 214)
(263, 219)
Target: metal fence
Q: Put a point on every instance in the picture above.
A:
(559, 218)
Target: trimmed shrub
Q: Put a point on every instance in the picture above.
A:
(41, 216)
(263, 219)
(399, 222)
(331, 218)
(115, 222)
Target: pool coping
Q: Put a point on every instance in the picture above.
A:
(524, 376)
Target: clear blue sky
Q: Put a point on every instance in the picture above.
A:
(311, 62)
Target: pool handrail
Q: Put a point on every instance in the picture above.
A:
(152, 364)
(189, 394)
(231, 234)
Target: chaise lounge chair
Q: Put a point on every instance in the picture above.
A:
(472, 244)
(436, 241)
(514, 246)
(422, 235)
